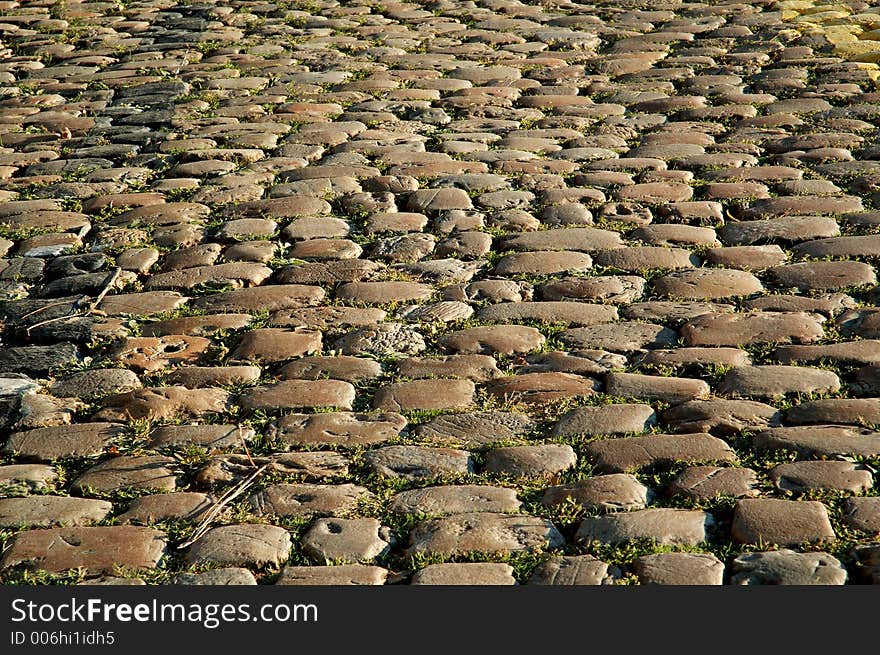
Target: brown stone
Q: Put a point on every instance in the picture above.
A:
(782, 522)
(633, 453)
(96, 549)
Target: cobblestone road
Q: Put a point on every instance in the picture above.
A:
(446, 292)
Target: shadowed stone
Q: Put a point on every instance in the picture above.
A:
(863, 513)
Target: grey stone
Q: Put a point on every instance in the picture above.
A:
(246, 544)
(666, 526)
(786, 567)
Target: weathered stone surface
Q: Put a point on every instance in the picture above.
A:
(337, 428)
(483, 533)
(294, 394)
(551, 312)
(455, 499)
(344, 574)
(616, 491)
(807, 476)
(541, 387)
(679, 569)
(477, 368)
(96, 383)
(615, 289)
(667, 526)
(574, 570)
(37, 476)
(128, 472)
(413, 462)
(863, 513)
(531, 461)
(223, 576)
(350, 540)
(340, 367)
(654, 387)
(47, 444)
(247, 544)
(853, 411)
(747, 329)
(821, 440)
(632, 453)
(707, 284)
(704, 482)
(605, 419)
(776, 381)
(822, 276)
(50, 511)
(382, 340)
(475, 429)
(424, 395)
(465, 573)
(782, 522)
(307, 499)
(160, 507)
(720, 416)
(96, 549)
(494, 339)
(620, 337)
(271, 345)
(786, 567)
(156, 403)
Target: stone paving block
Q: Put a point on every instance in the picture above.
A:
(679, 569)
(667, 526)
(782, 522)
(483, 533)
(786, 567)
(450, 253)
(248, 544)
(574, 570)
(465, 573)
(96, 549)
